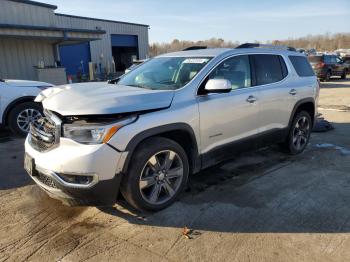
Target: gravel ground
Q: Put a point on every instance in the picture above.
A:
(262, 206)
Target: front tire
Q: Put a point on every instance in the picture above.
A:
(157, 174)
(22, 115)
(299, 133)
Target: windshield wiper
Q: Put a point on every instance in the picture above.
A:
(140, 86)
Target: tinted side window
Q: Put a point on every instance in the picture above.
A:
(327, 59)
(268, 69)
(284, 67)
(301, 66)
(236, 70)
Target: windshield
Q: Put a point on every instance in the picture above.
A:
(164, 73)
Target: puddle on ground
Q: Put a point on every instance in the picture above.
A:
(343, 150)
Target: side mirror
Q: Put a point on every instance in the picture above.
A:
(218, 86)
(113, 81)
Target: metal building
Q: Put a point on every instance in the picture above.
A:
(38, 44)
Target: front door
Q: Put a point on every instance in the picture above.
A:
(228, 120)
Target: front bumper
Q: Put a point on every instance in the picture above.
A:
(101, 162)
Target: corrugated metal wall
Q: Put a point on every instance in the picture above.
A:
(104, 46)
(25, 14)
(18, 57)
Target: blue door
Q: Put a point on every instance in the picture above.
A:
(75, 58)
(124, 50)
(124, 40)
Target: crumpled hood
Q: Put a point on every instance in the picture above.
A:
(102, 98)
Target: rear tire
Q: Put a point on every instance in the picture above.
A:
(343, 76)
(299, 133)
(328, 76)
(151, 182)
(21, 115)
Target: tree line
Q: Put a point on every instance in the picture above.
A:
(325, 42)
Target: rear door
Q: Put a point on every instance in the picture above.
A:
(277, 95)
(333, 64)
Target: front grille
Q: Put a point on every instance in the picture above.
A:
(40, 145)
(45, 135)
(46, 180)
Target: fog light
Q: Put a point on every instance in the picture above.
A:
(76, 179)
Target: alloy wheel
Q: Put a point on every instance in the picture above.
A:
(161, 177)
(26, 117)
(301, 133)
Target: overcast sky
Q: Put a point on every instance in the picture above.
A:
(243, 21)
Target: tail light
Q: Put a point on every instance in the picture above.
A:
(320, 65)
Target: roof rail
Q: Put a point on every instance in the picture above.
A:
(257, 45)
(194, 48)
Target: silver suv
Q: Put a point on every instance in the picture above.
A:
(143, 134)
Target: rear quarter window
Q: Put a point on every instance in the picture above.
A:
(301, 66)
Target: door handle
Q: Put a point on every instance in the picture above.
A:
(293, 92)
(251, 99)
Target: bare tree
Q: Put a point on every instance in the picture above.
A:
(325, 42)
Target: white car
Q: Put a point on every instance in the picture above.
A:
(17, 106)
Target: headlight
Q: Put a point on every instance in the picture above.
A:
(94, 134)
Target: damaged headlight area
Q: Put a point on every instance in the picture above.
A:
(89, 133)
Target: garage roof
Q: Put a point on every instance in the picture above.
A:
(54, 7)
(99, 19)
(43, 32)
(45, 28)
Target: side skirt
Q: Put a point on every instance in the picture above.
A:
(233, 149)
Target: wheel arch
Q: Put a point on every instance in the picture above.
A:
(13, 104)
(181, 133)
(306, 104)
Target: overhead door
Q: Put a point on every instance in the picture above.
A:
(124, 50)
(75, 58)
(124, 40)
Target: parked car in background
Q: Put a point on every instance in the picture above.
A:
(311, 51)
(326, 66)
(174, 115)
(346, 60)
(301, 50)
(17, 106)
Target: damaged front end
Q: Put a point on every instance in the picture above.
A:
(95, 129)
